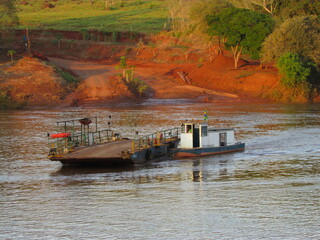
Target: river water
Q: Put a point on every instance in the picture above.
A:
(269, 191)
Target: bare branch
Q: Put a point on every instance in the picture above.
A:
(2, 12)
(267, 5)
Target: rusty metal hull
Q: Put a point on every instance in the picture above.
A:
(155, 151)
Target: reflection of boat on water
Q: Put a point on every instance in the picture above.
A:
(198, 139)
(85, 145)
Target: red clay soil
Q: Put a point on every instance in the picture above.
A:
(98, 82)
(213, 78)
(32, 82)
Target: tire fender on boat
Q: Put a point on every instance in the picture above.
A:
(148, 154)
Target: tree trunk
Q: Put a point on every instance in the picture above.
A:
(236, 50)
(28, 43)
(173, 20)
(106, 2)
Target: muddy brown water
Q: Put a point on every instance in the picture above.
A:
(269, 191)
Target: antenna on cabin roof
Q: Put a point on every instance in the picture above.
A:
(205, 115)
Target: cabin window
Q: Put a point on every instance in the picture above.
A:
(183, 129)
(223, 139)
(189, 128)
(204, 131)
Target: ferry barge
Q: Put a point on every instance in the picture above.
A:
(79, 142)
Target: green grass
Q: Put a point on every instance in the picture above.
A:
(148, 16)
(68, 77)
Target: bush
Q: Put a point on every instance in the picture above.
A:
(296, 70)
(6, 101)
(139, 86)
(68, 77)
(85, 34)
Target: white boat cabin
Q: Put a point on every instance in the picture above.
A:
(199, 135)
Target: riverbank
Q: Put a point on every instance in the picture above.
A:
(170, 67)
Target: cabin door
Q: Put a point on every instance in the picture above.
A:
(90, 138)
(223, 139)
(196, 136)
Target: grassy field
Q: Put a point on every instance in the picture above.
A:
(145, 16)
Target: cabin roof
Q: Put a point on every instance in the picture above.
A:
(201, 123)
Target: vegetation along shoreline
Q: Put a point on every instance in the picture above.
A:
(74, 52)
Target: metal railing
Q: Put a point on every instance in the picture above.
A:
(59, 147)
(155, 139)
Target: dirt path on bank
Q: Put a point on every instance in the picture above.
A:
(95, 77)
(97, 82)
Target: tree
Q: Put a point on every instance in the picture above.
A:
(109, 3)
(127, 71)
(297, 35)
(8, 10)
(292, 8)
(179, 10)
(11, 53)
(59, 37)
(296, 70)
(243, 29)
(198, 24)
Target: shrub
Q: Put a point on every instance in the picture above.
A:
(296, 70)
(68, 77)
(115, 36)
(6, 101)
(139, 86)
(85, 34)
(135, 84)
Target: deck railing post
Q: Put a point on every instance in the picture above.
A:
(132, 146)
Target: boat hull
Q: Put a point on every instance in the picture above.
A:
(154, 152)
(199, 152)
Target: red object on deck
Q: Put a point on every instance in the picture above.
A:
(60, 135)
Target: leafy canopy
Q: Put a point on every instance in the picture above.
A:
(242, 27)
(299, 34)
(291, 8)
(8, 10)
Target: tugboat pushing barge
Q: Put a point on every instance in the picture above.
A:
(79, 142)
(198, 139)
